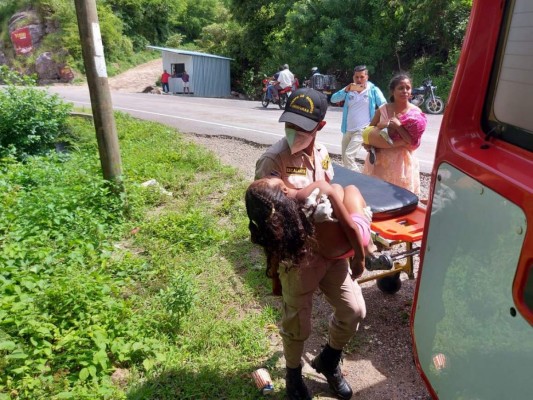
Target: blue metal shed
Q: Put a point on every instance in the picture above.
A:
(209, 74)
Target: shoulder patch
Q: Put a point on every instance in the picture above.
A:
(326, 163)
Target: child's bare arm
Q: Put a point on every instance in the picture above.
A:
(345, 221)
(349, 227)
(397, 125)
(304, 193)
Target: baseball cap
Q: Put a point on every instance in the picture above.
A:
(305, 108)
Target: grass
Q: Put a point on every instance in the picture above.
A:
(148, 296)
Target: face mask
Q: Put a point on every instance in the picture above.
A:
(298, 140)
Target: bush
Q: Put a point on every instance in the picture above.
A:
(31, 120)
(441, 73)
(175, 41)
(250, 84)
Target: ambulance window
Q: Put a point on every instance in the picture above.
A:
(510, 100)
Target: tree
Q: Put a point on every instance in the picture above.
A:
(148, 21)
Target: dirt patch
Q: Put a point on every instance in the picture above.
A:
(137, 79)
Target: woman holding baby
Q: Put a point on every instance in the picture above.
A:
(394, 133)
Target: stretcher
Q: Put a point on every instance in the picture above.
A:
(398, 218)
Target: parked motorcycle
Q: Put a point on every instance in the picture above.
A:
(425, 94)
(283, 95)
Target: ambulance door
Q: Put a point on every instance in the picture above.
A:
(472, 319)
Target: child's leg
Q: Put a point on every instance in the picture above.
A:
(339, 190)
(355, 204)
(373, 136)
(353, 200)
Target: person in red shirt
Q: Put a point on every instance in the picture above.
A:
(164, 81)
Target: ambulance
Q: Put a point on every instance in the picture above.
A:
(472, 319)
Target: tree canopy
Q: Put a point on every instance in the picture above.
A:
(423, 37)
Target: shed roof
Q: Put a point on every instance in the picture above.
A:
(187, 52)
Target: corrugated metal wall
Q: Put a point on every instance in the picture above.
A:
(209, 76)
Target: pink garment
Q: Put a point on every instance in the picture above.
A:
(414, 121)
(364, 229)
(398, 165)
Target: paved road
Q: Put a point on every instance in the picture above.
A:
(243, 119)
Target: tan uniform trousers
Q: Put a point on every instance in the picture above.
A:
(343, 294)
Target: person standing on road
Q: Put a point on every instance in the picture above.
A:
(185, 78)
(164, 81)
(298, 160)
(396, 162)
(361, 99)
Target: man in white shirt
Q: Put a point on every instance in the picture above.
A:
(285, 79)
(361, 99)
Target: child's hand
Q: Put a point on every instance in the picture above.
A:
(324, 211)
(394, 121)
(357, 267)
(382, 125)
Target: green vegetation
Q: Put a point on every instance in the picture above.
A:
(31, 121)
(423, 37)
(156, 296)
(419, 36)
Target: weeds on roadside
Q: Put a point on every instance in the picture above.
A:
(166, 294)
(31, 120)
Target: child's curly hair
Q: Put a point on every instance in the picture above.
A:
(278, 224)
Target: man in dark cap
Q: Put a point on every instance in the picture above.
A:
(299, 160)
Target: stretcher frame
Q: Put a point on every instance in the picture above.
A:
(388, 233)
(399, 217)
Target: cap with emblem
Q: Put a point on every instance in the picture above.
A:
(305, 108)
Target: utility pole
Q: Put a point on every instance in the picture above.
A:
(96, 72)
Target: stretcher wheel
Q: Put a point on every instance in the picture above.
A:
(390, 284)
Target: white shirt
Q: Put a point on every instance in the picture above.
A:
(285, 78)
(358, 111)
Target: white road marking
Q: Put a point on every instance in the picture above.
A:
(202, 121)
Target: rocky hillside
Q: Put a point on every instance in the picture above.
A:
(24, 52)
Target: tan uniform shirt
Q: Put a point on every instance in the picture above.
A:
(296, 170)
(344, 295)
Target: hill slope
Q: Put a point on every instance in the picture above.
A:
(136, 79)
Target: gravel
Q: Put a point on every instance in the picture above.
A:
(378, 362)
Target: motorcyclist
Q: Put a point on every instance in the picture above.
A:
(271, 87)
(317, 80)
(309, 82)
(285, 79)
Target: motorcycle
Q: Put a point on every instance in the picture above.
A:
(283, 95)
(425, 94)
(326, 84)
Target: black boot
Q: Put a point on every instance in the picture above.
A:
(296, 389)
(375, 263)
(327, 363)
